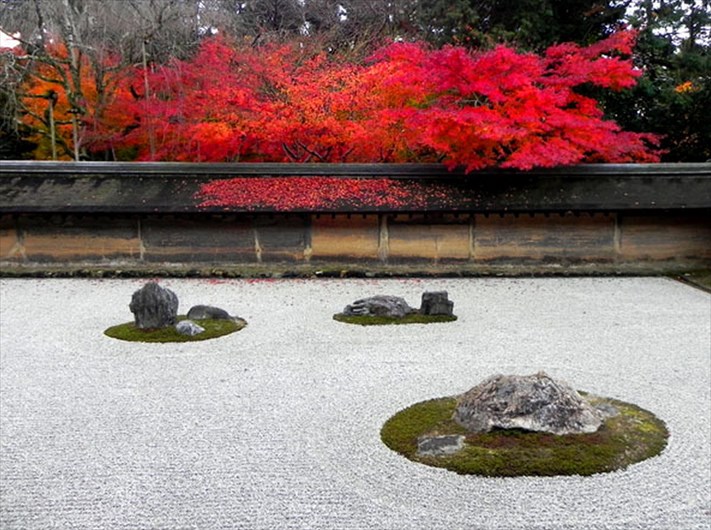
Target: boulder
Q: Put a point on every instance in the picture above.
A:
(534, 403)
(436, 303)
(154, 307)
(202, 312)
(188, 327)
(381, 305)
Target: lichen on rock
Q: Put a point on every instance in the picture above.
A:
(533, 403)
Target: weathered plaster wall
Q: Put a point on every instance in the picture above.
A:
(476, 242)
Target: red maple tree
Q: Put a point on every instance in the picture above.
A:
(406, 103)
(509, 109)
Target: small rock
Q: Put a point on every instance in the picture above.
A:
(381, 305)
(154, 307)
(202, 312)
(607, 410)
(436, 303)
(188, 327)
(440, 445)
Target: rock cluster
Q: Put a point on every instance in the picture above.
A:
(433, 303)
(156, 307)
(534, 403)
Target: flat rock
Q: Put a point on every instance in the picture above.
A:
(188, 327)
(440, 445)
(381, 305)
(202, 312)
(533, 403)
(154, 307)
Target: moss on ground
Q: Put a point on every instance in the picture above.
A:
(213, 329)
(632, 436)
(414, 318)
(699, 278)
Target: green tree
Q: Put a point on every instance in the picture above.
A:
(529, 24)
(673, 97)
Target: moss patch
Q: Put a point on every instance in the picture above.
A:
(629, 437)
(414, 318)
(700, 279)
(213, 329)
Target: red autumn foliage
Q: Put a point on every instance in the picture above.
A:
(507, 109)
(85, 90)
(308, 193)
(407, 103)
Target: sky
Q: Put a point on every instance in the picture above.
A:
(7, 41)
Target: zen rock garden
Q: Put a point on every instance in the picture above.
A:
(511, 425)
(506, 425)
(156, 319)
(435, 306)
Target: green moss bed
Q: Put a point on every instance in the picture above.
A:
(414, 318)
(631, 436)
(213, 329)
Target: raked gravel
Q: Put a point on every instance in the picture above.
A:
(277, 426)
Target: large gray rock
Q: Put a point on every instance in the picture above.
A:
(381, 305)
(534, 403)
(202, 312)
(154, 307)
(436, 303)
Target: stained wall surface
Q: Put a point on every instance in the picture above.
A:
(471, 241)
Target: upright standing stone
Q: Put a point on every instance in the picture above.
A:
(154, 307)
(436, 303)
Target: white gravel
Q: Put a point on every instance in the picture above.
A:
(277, 426)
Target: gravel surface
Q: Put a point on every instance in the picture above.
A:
(277, 426)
